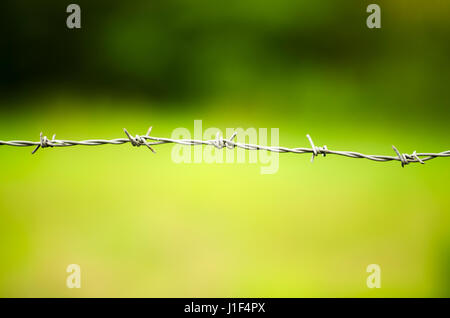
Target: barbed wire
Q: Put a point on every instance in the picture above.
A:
(219, 143)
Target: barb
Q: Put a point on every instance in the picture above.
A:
(316, 150)
(220, 143)
(138, 140)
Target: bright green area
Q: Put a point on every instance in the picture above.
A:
(141, 225)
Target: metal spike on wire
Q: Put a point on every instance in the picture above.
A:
(220, 143)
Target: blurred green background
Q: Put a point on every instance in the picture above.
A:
(140, 225)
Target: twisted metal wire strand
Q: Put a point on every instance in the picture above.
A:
(220, 143)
